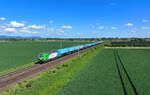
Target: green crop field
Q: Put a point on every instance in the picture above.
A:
(49, 83)
(137, 63)
(100, 75)
(15, 54)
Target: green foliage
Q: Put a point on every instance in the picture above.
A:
(49, 83)
(107, 44)
(136, 43)
(16, 54)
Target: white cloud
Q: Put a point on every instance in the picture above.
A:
(51, 30)
(114, 28)
(101, 27)
(25, 30)
(144, 20)
(2, 18)
(34, 32)
(129, 24)
(51, 22)
(10, 29)
(140, 29)
(67, 27)
(36, 27)
(16, 24)
(145, 28)
(55, 32)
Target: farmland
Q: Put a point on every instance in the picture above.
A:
(100, 75)
(16, 54)
(52, 81)
(97, 72)
(137, 64)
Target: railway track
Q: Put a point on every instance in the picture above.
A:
(12, 78)
(120, 65)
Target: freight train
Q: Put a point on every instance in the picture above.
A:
(50, 55)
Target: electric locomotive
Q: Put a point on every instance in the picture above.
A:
(50, 55)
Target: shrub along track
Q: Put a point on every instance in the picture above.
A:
(12, 78)
(120, 65)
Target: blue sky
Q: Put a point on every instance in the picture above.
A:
(75, 18)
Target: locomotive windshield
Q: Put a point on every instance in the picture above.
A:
(41, 56)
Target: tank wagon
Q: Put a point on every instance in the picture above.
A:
(50, 55)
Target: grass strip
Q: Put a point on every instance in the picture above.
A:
(49, 83)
